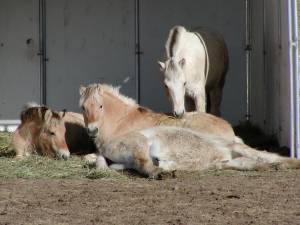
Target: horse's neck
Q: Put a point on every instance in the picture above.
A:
(116, 113)
(137, 120)
(122, 118)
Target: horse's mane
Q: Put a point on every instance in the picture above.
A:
(92, 88)
(33, 111)
(172, 44)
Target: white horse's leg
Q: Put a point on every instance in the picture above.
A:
(215, 97)
(200, 100)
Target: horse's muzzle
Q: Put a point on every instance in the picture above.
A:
(178, 115)
(92, 132)
(63, 154)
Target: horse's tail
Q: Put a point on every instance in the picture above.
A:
(265, 158)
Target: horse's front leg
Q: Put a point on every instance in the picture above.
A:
(200, 100)
(101, 163)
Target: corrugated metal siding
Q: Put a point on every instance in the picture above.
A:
(298, 11)
(270, 68)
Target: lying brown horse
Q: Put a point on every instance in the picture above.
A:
(109, 114)
(132, 137)
(46, 132)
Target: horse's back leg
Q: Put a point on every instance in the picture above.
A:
(215, 98)
(240, 163)
(145, 165)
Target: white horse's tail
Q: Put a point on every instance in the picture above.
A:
(263, 157)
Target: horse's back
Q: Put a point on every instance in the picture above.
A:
(217, 54)
(203, 123)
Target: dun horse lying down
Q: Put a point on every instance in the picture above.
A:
(109, 114)
(47, 132)
(155, 150)
(137, 138)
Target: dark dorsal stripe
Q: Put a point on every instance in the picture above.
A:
(173, 41)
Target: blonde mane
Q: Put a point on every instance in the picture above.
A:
(91, 89)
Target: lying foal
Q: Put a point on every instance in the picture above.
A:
(46, 132)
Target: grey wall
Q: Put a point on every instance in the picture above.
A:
(19, 63)
(88, 41)
(270, 88)
(226, 17)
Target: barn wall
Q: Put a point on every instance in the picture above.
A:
(270, 88)
(19, 62)
(88, 42)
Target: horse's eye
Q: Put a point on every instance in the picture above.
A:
(184, 83)
(83, 109)
(166, 86)
(52, 133)
(101, 106)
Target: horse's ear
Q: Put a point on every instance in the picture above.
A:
(162, 66)
(182, 62)
(82, 89)
(63, 113)
(48, 115)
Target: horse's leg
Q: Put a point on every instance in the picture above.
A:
(145, 166)
(215, 96)
(117, 166)
(200, 100)
(239, 163)
(101, 163)
(91, 159)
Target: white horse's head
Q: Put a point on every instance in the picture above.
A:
(175, 81)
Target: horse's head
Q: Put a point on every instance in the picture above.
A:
(175, 81)
(91, 103)
(51, 140)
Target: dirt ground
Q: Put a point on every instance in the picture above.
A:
(271, 197)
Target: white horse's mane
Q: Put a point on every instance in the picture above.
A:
(174, 38)
(92, 89)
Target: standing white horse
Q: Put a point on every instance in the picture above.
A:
(196, 66)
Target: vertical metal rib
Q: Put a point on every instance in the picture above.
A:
(42, 50)
(137, 49)
(248, 58)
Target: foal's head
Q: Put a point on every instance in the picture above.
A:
(52, 136)
(175, 81)
(49, 131)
